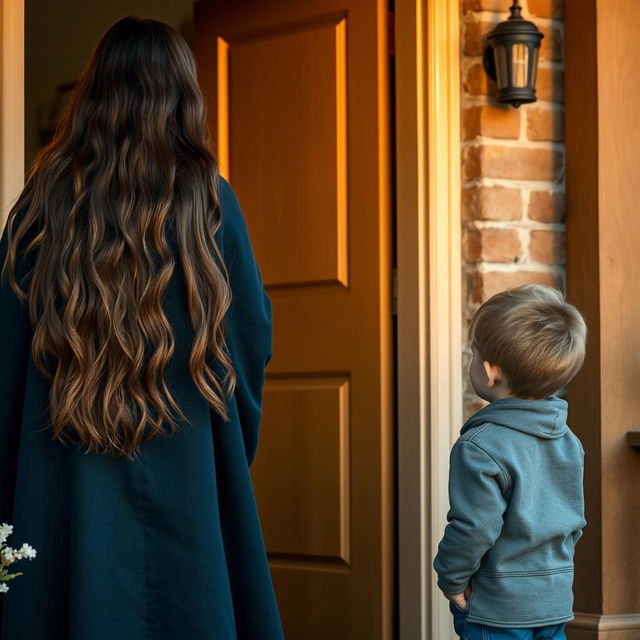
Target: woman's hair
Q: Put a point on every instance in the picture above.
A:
(534, 335)
(128, 161)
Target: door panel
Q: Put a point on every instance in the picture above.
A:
(300, 231)
(298, 107)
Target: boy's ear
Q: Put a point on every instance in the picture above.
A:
(493, 371)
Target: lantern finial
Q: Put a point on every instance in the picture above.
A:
(516, 10)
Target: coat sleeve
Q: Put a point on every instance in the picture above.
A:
(15, 344)
(475, 517)
(249, 338)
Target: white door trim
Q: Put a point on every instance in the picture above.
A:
(427, 55)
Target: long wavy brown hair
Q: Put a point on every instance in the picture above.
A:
(128, 163)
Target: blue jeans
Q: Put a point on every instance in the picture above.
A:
(473, 631)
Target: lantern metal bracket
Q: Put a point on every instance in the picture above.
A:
(489, 63)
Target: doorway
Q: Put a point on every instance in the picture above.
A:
(326, 394)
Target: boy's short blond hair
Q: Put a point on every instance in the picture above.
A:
(534, 335)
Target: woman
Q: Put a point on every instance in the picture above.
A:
(134, 331)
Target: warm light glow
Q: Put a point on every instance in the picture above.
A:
(222, 148)
(519, 64)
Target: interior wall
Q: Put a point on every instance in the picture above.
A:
(59, 39)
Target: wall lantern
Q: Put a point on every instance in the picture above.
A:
(511, 58)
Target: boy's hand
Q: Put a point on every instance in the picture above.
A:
(460, 598)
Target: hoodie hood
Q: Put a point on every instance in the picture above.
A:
(546, 418)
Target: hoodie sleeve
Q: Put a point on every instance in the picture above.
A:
(477, 504)
(577, 533)
(15, 343)
(248, 318)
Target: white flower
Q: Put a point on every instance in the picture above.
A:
(8, 555)
(5, 531)
(27, 551)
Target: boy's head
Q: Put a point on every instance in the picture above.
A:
(527, 342)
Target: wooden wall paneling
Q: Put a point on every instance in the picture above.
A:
(602, 94)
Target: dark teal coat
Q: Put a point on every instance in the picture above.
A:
(166, 547)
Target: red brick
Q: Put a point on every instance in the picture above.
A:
(473, 404)
(515, 163)
(549, 85)
(492, 245)
(546, 206)
(473, 286)
(485, 5)
(547, 247)
(485, 285)
(491, 203)
(545, 8)
(477, 82)
(471, 245)
(545, 124)
(491, 121)
(551, 45)
(474, 41)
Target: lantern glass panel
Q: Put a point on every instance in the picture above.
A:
(502, 73)
(520, 64)
(534, 67)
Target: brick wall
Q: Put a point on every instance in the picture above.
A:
(512, 168)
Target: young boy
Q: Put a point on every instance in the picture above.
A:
(505, 561)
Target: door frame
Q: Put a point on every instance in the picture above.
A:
(429, 348)
(427, 138)
(11, 104)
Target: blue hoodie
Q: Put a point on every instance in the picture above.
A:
(517, 510)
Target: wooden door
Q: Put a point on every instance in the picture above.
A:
(298, 105)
